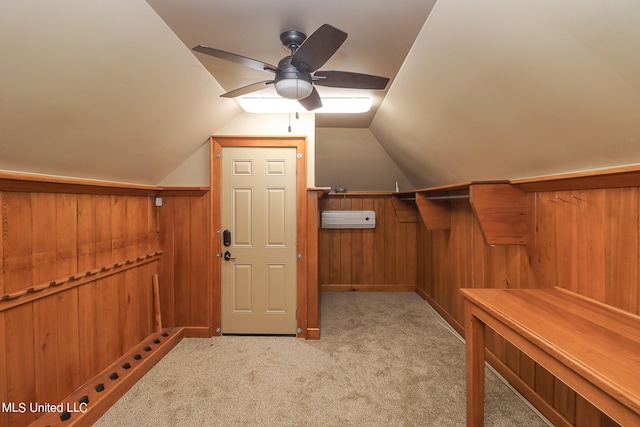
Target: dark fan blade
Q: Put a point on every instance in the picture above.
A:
(247, 89)
(318, 48)
(238, 59)
(349, 80)
(312, 101)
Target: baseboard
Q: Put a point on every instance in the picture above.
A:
(367, 288)
(313, 333)
(196, 332)
(89, 402)
(529, 395)
(441, 311)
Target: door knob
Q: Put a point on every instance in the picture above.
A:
(227, 256)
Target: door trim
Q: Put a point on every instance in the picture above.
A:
(298, 142)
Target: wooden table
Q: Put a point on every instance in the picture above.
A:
(592, 347)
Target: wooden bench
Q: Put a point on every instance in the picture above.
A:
(590, 346)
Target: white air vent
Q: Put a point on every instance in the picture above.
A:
(348, 219)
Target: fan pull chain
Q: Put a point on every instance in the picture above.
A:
(297, 117)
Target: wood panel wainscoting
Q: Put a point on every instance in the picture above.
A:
(77, 258)
(379, 259)
(583, 237)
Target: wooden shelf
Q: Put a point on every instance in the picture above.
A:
(627, 176)
(501, 210)
(435, 214)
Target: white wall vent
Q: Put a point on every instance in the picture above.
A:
(348, 219)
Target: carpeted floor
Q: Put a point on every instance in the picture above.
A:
(385, 359)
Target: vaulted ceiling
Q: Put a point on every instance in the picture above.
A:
(479, 90)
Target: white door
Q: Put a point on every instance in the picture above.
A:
(259, 240)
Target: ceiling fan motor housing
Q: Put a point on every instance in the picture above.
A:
(292, 82)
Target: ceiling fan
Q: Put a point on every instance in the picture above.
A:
(293, 75)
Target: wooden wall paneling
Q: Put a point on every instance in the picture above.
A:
(410, 244)
(66, 234)
(139, 286)
(368, 247)
(392, 256)
(567, 238)
(591, 243)
(103, 230)
(154, 226)
(182, 277)
(45, 311)
(19, 347)
(544, 384)
(345, 248)
(68, 344)
(166, 270)
(478, 244)
(527, 370)
(200, 280)
(3, 360)
(543, 249)
(564, 400)
(86, 232)
(587, 415)
(517, 273)
(44, 249)
(517, 267)
(334, 255)
(87, 312)
(87, 295)
(106, 290)
(132, 278)
(324, 245)
(380, 249)
(118, 253)
(67, 340)
(621, 248)
(45, 336)
(357, 248)
(4, 422)
(462, 236)
(17, 240)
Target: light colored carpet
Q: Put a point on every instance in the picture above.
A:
(384, 359)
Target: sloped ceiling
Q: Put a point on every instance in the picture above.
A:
(503, 89)
(100, 90)
(494, 89)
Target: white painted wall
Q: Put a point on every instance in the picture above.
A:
(195, 170)
(355, 160)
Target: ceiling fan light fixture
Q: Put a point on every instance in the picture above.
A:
(293, 88)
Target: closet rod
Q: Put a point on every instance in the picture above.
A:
(455, 196)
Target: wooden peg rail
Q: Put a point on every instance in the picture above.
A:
(45, 289)
(89, 402)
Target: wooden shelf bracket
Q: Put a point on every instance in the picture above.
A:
(501, 210)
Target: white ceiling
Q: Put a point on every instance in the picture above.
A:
(495, 89)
